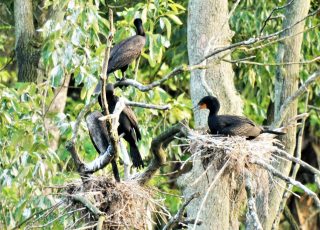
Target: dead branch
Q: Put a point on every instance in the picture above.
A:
(82, 199)
(157, 148)
(252, 219)
(275, 9)
(145, 88)
(147, 106)
(177, 218)
(286, 104)
(252, 41)
(287, 179)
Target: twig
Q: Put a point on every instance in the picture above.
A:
(275, 9)
(82, 199)
(302, 89)
(252, 219)
(147, 106)
(287, 179)
(252, 41)
(100, 222)
(242, 61)
(217, 176)
(145, 88)
(174, 221)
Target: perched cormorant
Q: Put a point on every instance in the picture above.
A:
(128, 125)
(125, 52)
(230, 124)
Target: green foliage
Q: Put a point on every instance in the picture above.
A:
(27, 163)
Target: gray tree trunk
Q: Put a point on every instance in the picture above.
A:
(27, 52)
(208, 29)
(287, 80)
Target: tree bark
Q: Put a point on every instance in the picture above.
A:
(57, 106)
(205, 18)
(287, 80)
(28, 54)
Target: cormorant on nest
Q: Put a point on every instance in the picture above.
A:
(128, 125)
(230, 124)
(125, 52)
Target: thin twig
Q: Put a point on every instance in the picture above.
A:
(286, 104)
(174, 221)
(242, 61)
(275, 9)
(209, 189)
(287, 179)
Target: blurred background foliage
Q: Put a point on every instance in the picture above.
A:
(73, 42)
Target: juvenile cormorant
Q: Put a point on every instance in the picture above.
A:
(230, 124)
(128, 125)
(125, 52)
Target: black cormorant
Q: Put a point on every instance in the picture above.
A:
(128, 125)
(230, 124)
(125, 52)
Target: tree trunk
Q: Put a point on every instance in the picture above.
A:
(28, 54)
(57, 106)
(205, 18)
(287, 80)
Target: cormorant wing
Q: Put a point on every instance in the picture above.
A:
(125, 52)
(133, 120)
(232, 120)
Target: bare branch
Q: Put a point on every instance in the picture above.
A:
(275, 9)
(287, 179)
(145, 88)
(147, 106)
(252, 219)
(242, 61)
(95, 211)
(174, 221)
(252, 41)
(157, 148)
(286, 104)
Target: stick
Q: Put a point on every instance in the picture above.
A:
(174, 221)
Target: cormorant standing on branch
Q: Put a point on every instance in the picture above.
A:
(230, 124)
(125, 52)
(128, 125)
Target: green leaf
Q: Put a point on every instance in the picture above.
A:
(175, 19)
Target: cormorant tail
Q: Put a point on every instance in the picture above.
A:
(136, 157)
(273, 132)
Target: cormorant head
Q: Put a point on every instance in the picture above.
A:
(138, 24)
(211, 103)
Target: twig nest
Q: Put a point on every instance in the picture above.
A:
(215, 149)
(124, 205)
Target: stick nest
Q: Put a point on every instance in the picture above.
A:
(216, 150)
(125, 205)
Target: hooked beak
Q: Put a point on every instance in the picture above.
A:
(200, 106)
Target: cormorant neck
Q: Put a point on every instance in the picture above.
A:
(139, 30)
(214, 107)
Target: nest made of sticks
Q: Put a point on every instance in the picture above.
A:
(216, 150)
(125, 205)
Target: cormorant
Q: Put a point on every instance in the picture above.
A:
(125, 52)
(128, 125)
(104, 142)
(230, 124)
